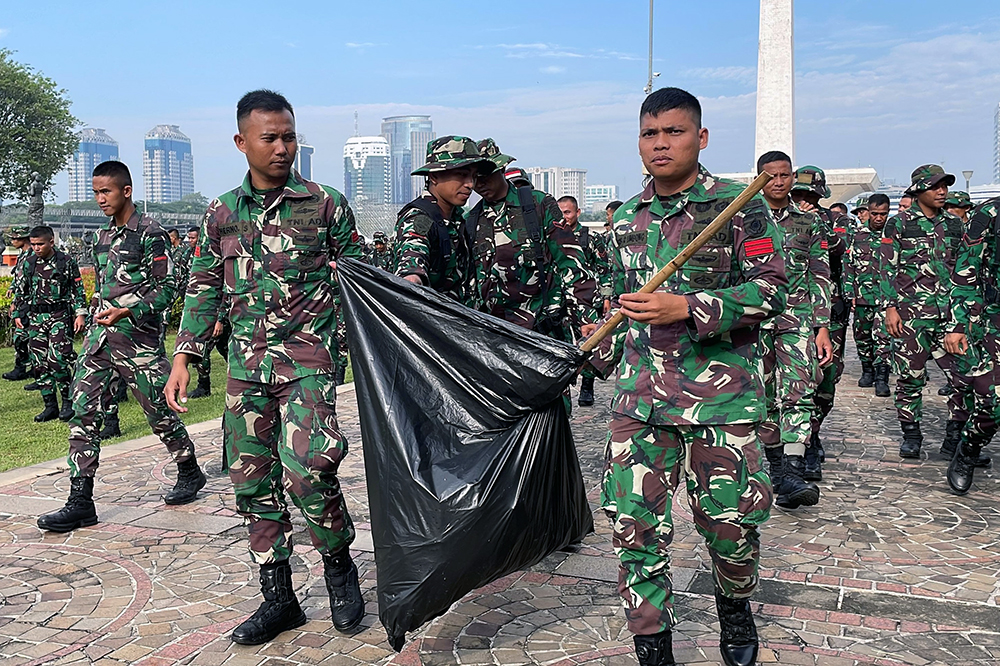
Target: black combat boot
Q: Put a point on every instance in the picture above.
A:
(654, 649)
(19, 373)
(867, 375)
(775, 465)
(947, 389)
(32, 386)
(963, 464)
(79, 510)
(882, 380)
(66, 413)
(51, 410)
(815, 441)
(190, 479)
(112, 427)
(912, 439)
(952, 436)
(204, 388)
(586, 397)
(347, 606)
(279, 611)
(738, 636)
(795, 491)
(339, 374)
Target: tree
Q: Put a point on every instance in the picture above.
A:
(36, 128)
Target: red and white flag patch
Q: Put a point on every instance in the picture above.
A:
(758, 247)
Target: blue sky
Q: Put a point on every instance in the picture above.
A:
(890, 84)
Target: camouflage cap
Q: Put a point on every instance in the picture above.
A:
(379, 237)
(18, 231)
(490, 150)
(958, 199)
(860, 204)
(811, 179)
(928, 176)
(451, 152)
(517, 175)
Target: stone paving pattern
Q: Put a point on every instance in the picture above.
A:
(890, 568)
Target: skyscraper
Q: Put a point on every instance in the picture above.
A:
(560, 182)
(95, 147)
(367, 170)
(167, 165)
(304, 157)
(408, 137)
(599, 194)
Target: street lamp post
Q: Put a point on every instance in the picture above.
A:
(968, 178)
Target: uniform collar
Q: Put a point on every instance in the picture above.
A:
(294, 188)
(132, 224)
(701, 191)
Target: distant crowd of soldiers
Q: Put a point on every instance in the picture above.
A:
(735, 360)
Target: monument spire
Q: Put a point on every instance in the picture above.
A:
(775, 80)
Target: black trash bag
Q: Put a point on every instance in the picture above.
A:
(471, 469)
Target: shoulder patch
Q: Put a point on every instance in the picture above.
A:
(754, 226)
(631, 238)
(421, 224)
(758, 247)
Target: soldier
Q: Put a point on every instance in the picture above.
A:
(796, 343)
(904, 202)
(382, 253)
(862, 280)
(959, 204)
(18, 235)
(689, 397)
(810, 186)
(860, 210)
(204, 365)
(917, 257)
(975, 323)
(175, 238)
(431, 248)
(50, 305)
(270, 246)
(133, 285)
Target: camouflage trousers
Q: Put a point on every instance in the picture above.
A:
(981, 376)
(284, 438)
(730, 496)
(870, 335)
(922, 340)
(145, 370)
(829, 376)
(113, 395)
(50, 348)
(340, 334)
(19, 338)
(790, 374)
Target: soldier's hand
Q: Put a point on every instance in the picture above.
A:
(217, 331)
(587, 330)
(79, 323)
(17, 322)
(824, 347)
(415, 279)
(176, 388)
(805, 206)
(111, 316)
(956, 343)
(658, 308)
(893, 323)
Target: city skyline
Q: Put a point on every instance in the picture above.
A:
(167, 165)
(96, 146)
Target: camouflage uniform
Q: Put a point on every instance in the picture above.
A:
(917, 257)
(862, 284)
(381, 258)
(132, 270)
(427, 245)
(689, 396)
(48, 296)
(789, 340)
(19, 336)
(269, 252)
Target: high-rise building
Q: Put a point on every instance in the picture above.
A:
(599, 194)
(95, 147)
(560, 181)
(304, 157)
(996, 145)
(408, 137)
(367, 170)
(167, 165)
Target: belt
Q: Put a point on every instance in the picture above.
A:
(49, 308)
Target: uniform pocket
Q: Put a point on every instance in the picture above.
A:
(238, 265)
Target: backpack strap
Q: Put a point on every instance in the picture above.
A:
(525, 195)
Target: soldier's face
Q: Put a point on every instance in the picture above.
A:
(268, 140)
(43, 247)
(669, 144)
(611, 218)
(19, 243)
(110, 196)
(491, 187)
(863, 215)
(454, 186)
(175, 238)
(905, 202)
(959, 212)
(877, 215)
(192, 238)
(934, 198)
(570, 212)
(780, 185)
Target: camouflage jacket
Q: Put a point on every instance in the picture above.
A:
(181, 256)
(132, 269)
(863, 271)
(975, 300)
(273, 263)
(836, 245)
(505, 268)
(807, 265)
(917, 258)
(599, 264)
(50, 283)
(383, 259)
(17, 272)
(704, 370)
(415, 256)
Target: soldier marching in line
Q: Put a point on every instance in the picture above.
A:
(133, 286)
(270, 246)
(18, 235)
(689, 398)
(381, 253)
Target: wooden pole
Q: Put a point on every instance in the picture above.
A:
(682, 257)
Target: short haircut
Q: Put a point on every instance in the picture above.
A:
(878, 199)
(772, 156)
(261, 100)
(839, 206)
(667, 99)
(906, 195)
(42, 231)
(614, 205)
(115, 170)
(173, 230)
(568, 198)
(194, 229)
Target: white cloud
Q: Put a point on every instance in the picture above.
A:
(744, 75)
(362, 45)
(552, 69)
(4, 32)
(538, 50)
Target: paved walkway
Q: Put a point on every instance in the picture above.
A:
(890, 569)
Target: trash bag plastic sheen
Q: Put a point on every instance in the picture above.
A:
(469, 458)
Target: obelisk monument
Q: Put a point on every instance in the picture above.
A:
(775, 80)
